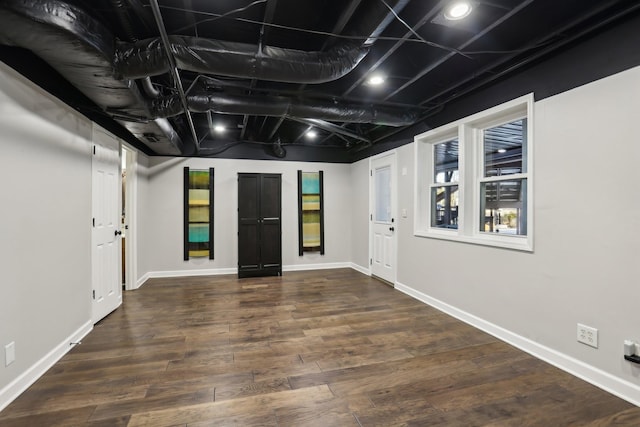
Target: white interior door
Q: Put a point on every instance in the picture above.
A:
(105, 241)
(383, 215)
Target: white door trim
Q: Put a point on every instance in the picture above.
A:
(131, 204)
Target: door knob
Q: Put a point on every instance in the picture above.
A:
(391, 228)
(117, 233)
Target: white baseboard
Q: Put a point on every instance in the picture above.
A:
(306, 267)
(144, 278)
(361, 269)
(185, 273)
(9, 393)
(604, 380)
(220, 271)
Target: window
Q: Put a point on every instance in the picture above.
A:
(503, 186)
(444, 189)
(473, 180)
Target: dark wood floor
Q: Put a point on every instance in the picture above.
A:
(324, 348)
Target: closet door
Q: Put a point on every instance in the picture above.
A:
(248, 223)
(259, 226)
(270, 208)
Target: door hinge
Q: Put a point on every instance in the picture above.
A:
(94, 222)
(371, 172)
(371, 217)
(94, 294)
(370, 261)
(94, 150)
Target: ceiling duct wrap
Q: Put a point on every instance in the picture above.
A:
(81, 49)
(231, 59)
(148, 58)
(87, 54)
(278, 106)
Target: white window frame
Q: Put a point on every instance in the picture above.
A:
(469, 132)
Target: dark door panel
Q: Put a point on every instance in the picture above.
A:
(259, 224)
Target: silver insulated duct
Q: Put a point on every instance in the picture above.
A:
(87, 54)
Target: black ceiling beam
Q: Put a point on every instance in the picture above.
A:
(344, 18)
(328, 126)
(173, 69)
(540, 40)
(188, 6)
(426, 18)
(478, 84)
(276, 127)
(433, 65)
(269, 12)
(302, 134)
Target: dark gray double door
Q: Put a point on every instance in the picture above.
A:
(259, 224)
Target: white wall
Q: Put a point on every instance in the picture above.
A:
(584, 267)
(161, 253)
(45, 229)
(142, 213)
(360, 215)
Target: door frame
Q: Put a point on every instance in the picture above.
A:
(131, 206)
(392, 154)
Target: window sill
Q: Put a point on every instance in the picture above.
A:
(518, 243)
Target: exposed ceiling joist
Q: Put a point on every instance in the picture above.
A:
(271, 68)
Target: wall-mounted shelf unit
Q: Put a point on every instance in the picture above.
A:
(198, 213)
(310, 212)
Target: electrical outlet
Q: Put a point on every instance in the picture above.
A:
(9, 353)
(588, 335)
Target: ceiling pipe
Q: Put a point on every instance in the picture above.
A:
(278, 149)
(279, 106)
(130, 34)
(338, 28)
(269, 13)
(147, 58)
(174, 71)
(330, 127)
(241, 60)
(81, 49)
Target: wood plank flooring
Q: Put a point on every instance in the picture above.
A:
(323, 348)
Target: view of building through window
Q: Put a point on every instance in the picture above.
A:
(444, 190)
(503, 188)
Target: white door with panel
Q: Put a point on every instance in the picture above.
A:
(105, 240)
(383, 217)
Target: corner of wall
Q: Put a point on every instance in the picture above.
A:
(12, 390)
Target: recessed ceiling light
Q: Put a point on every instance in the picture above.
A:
(502, 150)
(311, 134)
(375, 80)
(457, 10)
(219, 129)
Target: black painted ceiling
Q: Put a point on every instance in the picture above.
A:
(269, 71)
